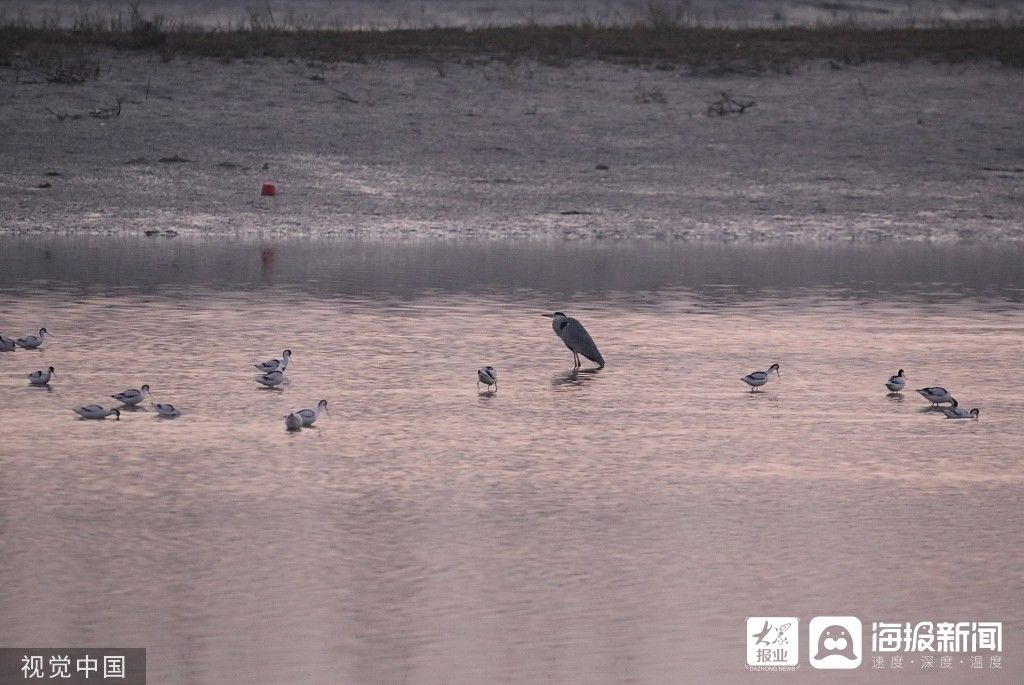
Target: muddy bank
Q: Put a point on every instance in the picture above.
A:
(513, 148)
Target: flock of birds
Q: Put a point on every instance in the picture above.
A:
(568, 329)
(272, 375)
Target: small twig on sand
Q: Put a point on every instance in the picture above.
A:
(108, 112)
(645, 96)
(864, 92)
(61, 116)
(726, 105)
(345, 96)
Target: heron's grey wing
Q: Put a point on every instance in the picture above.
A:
(129, 394)
(758, 376)
(576, 338)
(306, 413)
(92, 408)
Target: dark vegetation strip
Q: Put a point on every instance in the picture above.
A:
(642, 44)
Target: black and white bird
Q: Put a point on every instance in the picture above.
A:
(131, 397)
(309, 416)
(167, 411)
(488, 376)
(272, 379)
(95, 411)
(758, 378)
(958, 412)
(576, 338)
(896, 383)
(275, 364)
(936, 395)
(7, 344)
(40, 377)
(31, 342)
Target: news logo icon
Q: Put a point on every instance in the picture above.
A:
(835, 642)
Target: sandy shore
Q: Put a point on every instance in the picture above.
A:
(491, 148)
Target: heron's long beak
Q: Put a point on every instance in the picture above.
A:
(550, 316)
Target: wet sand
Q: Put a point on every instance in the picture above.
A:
(376, 14)
(485, 148)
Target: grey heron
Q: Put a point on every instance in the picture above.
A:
(488, 376)
(576, 338)
(758, 378)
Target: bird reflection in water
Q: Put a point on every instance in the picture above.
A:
(574, 377)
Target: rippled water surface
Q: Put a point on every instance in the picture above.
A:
(601, 526)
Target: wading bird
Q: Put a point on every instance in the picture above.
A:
(95, 411)
(758, 378)
(31, 342)
(309, 416)
(40, 377)
(7, 344)
(896, 383)
(488, 376)
(935, 395)
(272, 379)
(293, 421)
(130, 398)
(576, 338)
(958, 412)
(166, 411)
(275, 364)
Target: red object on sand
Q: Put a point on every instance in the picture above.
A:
(268, 190)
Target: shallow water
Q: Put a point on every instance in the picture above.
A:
(603, 526)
